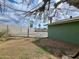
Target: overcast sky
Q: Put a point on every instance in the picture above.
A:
(36, 2)
(17, 5)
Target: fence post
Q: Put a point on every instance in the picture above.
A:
(28, 32)
(7, 30)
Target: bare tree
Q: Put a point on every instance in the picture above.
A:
(42, 8)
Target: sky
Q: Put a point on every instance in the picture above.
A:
(35, 3)
(17, 5)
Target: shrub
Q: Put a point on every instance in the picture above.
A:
(3, 35)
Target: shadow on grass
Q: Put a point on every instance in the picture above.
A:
(55, 48)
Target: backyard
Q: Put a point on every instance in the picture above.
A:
(39, 29)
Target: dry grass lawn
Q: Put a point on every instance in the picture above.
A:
(23, 48)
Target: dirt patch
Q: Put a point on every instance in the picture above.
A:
(56, 48)
(23, 48)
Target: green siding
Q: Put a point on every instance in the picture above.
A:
(68, 32)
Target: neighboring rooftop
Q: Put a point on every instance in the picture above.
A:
(74, 19)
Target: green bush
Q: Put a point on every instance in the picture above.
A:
(3, 35)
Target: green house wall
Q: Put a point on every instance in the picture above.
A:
(67, 32)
